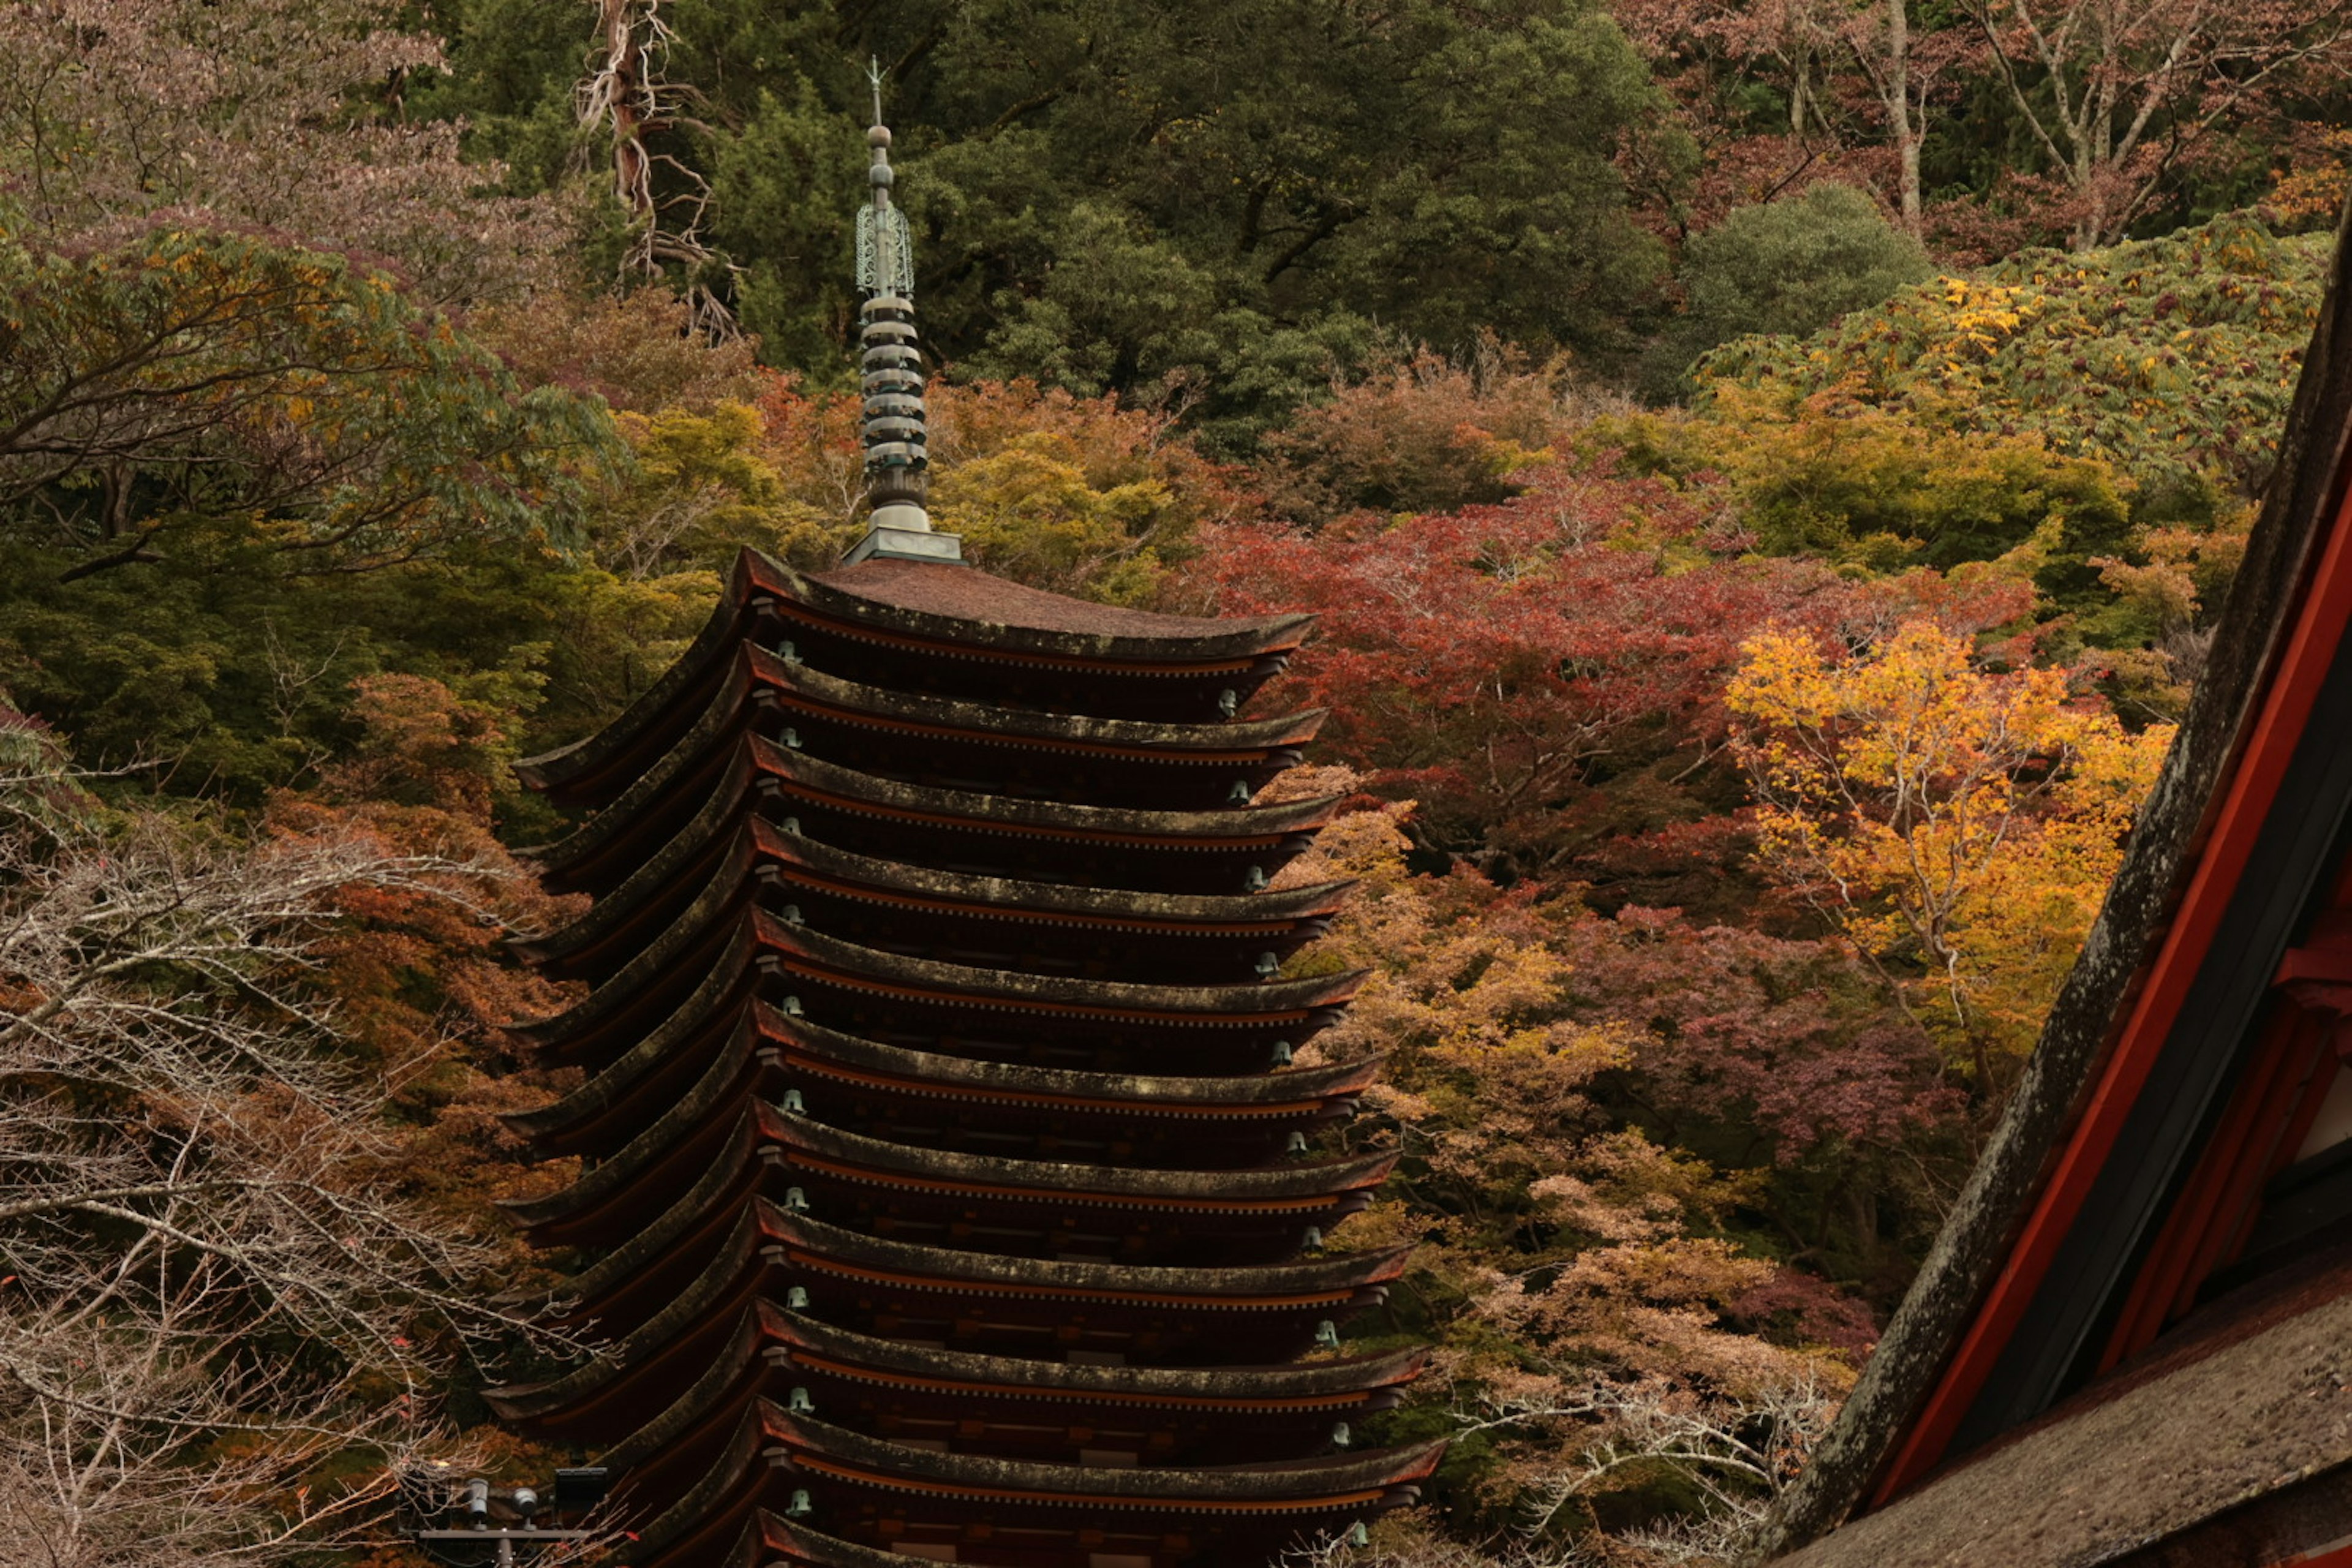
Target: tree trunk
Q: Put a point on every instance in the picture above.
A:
(1902, 122)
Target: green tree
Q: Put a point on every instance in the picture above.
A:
(1785, 268)
(207, 393)
(2172, 359)
(1207, 200)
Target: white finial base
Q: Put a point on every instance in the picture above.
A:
(901, 530)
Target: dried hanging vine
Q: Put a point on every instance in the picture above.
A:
(627, 95)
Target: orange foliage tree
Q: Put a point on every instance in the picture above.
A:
(1588, 1300)
(1958, 825)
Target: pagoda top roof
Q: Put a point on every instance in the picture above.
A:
(998, 722)
(957, 604)
(954, 607)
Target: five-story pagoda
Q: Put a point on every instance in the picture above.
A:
(950, 1191)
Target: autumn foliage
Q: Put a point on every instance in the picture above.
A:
(1729, 785)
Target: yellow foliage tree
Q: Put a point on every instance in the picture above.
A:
(1031, 511)
(1959, 827)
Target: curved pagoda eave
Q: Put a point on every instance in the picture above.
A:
(810, 1051)
(633, 917)
(797, 1453)
(909, 600)
(809, 965)
(772, 1348)
(1149, 849)
(628, 1190)
(787, 695)
(1252, 1413)
(767, 1251)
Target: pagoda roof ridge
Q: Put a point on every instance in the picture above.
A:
(755, 839)
(1213, 1285)
(1268, 1479)
(719, 636)
(721, 718)
(722, 1277)
(724, 815)
(962, 605)
(732, 1277)
(1078, 1183)
(694, 925)
(766, 1332)
(728, 1500)
(723, 1080)
(830, 960)
(721, 1190)
(1083, 1184)
(736, 942)
(604, 1086)
(882, 595)
(863, 790)
(729, 1494)
(1001, 722)
(1049, 1379)
(777, 1533)
(1013, 897)
(969, 985)
(966, 1073)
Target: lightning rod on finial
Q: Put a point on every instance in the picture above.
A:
(891, 369)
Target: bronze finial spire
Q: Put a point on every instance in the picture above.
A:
(891, 372)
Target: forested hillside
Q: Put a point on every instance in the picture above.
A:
(1765, 469)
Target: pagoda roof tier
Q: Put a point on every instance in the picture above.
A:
(963, 613)
(715, 1019)
(1176, 852)
(884, 993)
(1292, 1092)
(1246, 1314)
(775, 1541)
(983, 623)
(966, 743)
(1147, 677)
(680, 700)
(620, 1197)
(1245, 1412)
(988, 746)
(762, 1057)
(1238, 1508)
(1206, 852)
(781, 1542)
(604, 1113)
(1035, 924)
